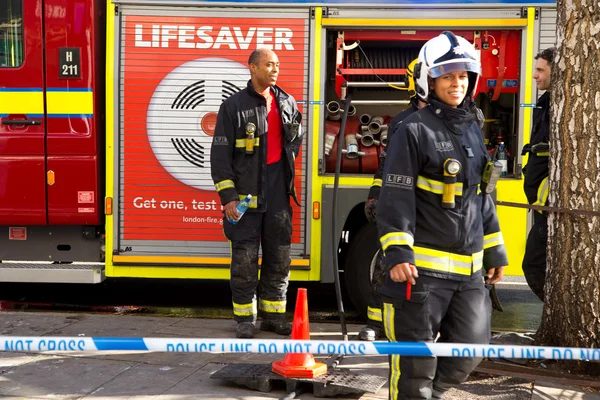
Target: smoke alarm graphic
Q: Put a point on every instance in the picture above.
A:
(183, 112)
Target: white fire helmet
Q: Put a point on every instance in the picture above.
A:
(444, 54)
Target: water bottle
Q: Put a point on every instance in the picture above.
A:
(241, 208)
(503, 160)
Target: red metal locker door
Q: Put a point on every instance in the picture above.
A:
(74, 56)
(22, 120)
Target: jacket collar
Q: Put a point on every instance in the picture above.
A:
(280, 94)
(456, 119)
(544, 101)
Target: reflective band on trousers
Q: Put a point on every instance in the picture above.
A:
(377, 182)
(374, 314)
(493, 239)
(437, 187)
(244, 310)
(396, 239)
(226, 184)
(442, 261)
(542, 194)
(388, 325)
(273, 306)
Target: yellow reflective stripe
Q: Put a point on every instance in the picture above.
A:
(442, 261)
(24, 101)
(226, 184)
(253, 200)
(241, 143)
(60, 102)
(493, 239)
(273, 306)
(437, 187)
(542, 194)
(543, 154)
(396, 239)
(377, 182)
(374, 314)
(395, 376)
(388, 326)
(244, 310)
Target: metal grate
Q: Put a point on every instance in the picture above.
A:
(333, 383)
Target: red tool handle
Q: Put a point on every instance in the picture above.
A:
(408, 289)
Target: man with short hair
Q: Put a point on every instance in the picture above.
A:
(257, 139)
(536, 176)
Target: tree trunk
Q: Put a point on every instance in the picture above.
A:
(571, 314)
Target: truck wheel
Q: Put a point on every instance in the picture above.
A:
(359, 266)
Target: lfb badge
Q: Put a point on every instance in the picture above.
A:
(183, 113)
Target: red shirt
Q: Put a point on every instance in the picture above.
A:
(274, 138)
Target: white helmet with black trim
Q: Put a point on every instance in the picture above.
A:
(444, 54)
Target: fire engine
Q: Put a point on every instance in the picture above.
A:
(107, 110)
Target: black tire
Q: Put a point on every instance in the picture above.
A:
(358, 269)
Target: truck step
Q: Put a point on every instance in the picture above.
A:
(47, 272)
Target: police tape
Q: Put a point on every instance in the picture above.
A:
(281, 346)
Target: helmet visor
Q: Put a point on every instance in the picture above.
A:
(443, 69)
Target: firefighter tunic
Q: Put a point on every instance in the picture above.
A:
(240, 168)
(449, 247)
(536, 189)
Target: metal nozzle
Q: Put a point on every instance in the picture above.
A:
(351, 146)
(375, 125)
(334, 110)
(351, 111)
(365, 119)
(384, 135)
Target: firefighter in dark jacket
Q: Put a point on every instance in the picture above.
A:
(256, 141)
(437, 226)
(374, 328)
(536, 177)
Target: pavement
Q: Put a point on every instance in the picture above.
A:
(135, 375)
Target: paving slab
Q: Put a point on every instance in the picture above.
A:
(59, 377)
(543, 390)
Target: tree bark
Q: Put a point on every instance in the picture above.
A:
(571, 314)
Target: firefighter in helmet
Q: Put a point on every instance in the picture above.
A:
(438, 227)
(374, 328)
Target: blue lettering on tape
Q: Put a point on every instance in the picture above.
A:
(267, 348)
(61, 345)
(18, 345)
(491, 82)
(341, 348)
(191, 347)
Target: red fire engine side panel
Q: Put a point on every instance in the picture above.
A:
(73, 63)
(22, 164)
(173, 88)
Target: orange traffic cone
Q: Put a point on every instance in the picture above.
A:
(299, 365)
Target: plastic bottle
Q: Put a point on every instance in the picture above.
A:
(502, 158)
(241, 208)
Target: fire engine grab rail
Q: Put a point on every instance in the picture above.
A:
(281, 346)
(547, 208)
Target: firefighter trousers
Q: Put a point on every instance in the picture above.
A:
(460, 311)
(534, 260)
(272, 230)
(374, 314)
